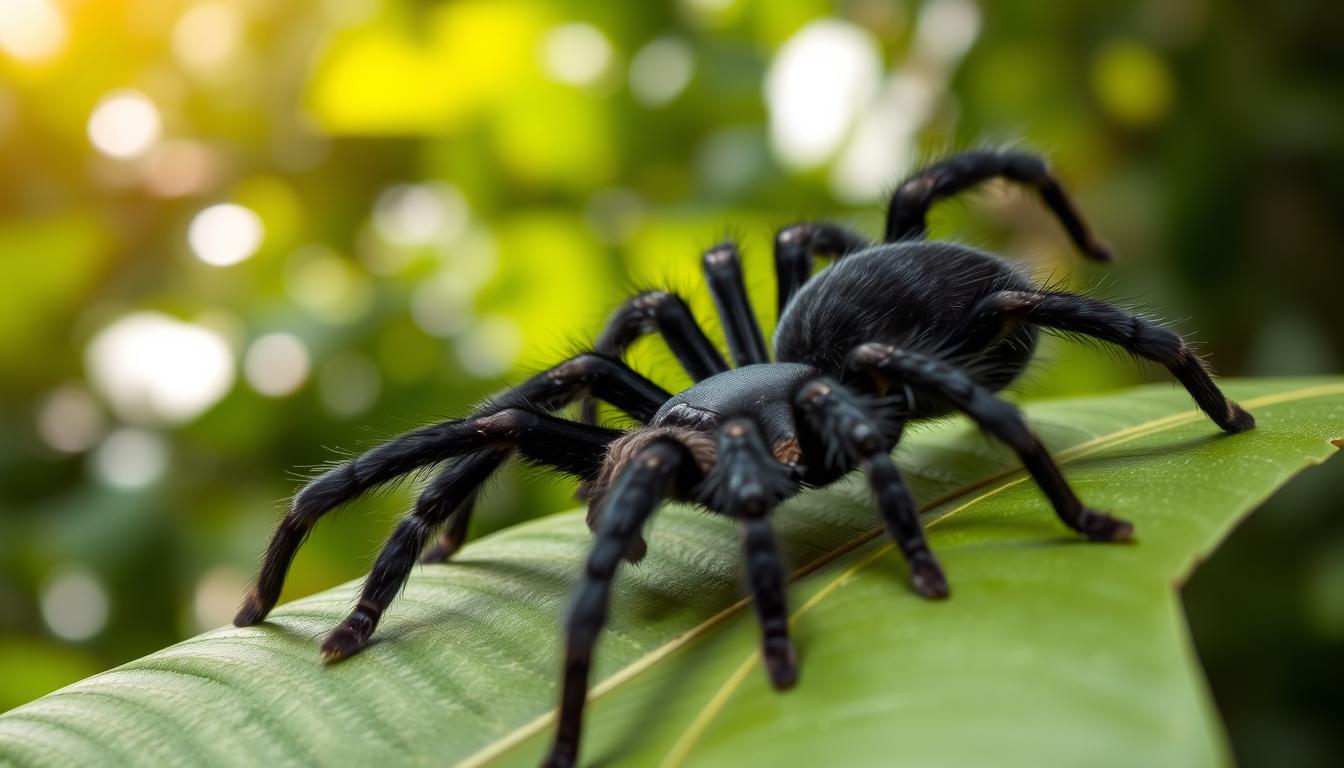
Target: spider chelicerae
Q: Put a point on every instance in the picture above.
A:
(891, 332)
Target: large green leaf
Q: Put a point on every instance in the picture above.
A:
(1051, 651)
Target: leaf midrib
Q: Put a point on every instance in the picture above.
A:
(682, 746)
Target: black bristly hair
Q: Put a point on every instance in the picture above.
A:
(889, 333)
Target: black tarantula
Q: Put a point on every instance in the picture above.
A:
(901, 330)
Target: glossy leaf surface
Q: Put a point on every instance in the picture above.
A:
(1051, 651)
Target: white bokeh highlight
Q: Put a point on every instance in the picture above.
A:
(225, 234)
(661, 70)
(74, 603)
(821, 79)
(129, 459)
(413, 215)
(125, 124)
(276, 364)
(154, 368)
(206, 36)
(577, 53)
(33, 31)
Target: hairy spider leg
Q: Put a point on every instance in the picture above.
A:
(668, 315)
(996, 416)
(795, 247)
(660, 469)
(723, 272)
(747, 483)
(455, 534)
(574, 448)
(838, 419)
(1144, 338)
(604, 377)
(909, 208)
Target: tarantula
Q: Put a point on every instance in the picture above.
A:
(891, 332)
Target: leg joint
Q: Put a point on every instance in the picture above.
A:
(721, 256)
(505, 425)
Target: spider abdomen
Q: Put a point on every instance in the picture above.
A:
(912, 295)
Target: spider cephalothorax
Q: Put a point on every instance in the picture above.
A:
(891, 332)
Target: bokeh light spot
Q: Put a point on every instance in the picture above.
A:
(130, 459)
(276, 364)
(124, 124)
(820, 80)
(225, 234)
(69, 419)
(1132, 83)
(411, 215)
(578, 54)
(661, 70)
(207, 35)
(31, 30)
(152, 367)
(74, 603)
(947, 28)
(179, 167)
(216, 596)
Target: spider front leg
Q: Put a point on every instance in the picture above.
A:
(997, 417)
(841, 427)
(576, 449)
(1079, 314)
(747, 483)
(723, 271)
(909, 208)
(796, 245)
(601, 376)
(661, 468)
(668, 315)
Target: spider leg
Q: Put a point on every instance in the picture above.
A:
(1079, 314)
(845, 433)
(723, 271)
(796, 245)
(668, 315)
(658, 470)
(747, 483)
(608, 379)
(455, 534)
(996, 416)
(568, 446)
(910, 204)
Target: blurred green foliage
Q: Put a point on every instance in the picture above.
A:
(451, 194)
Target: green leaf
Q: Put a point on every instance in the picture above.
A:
(1051, 651)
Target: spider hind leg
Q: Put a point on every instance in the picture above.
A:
(999, 418)
(1141, 337)
(909, 208)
